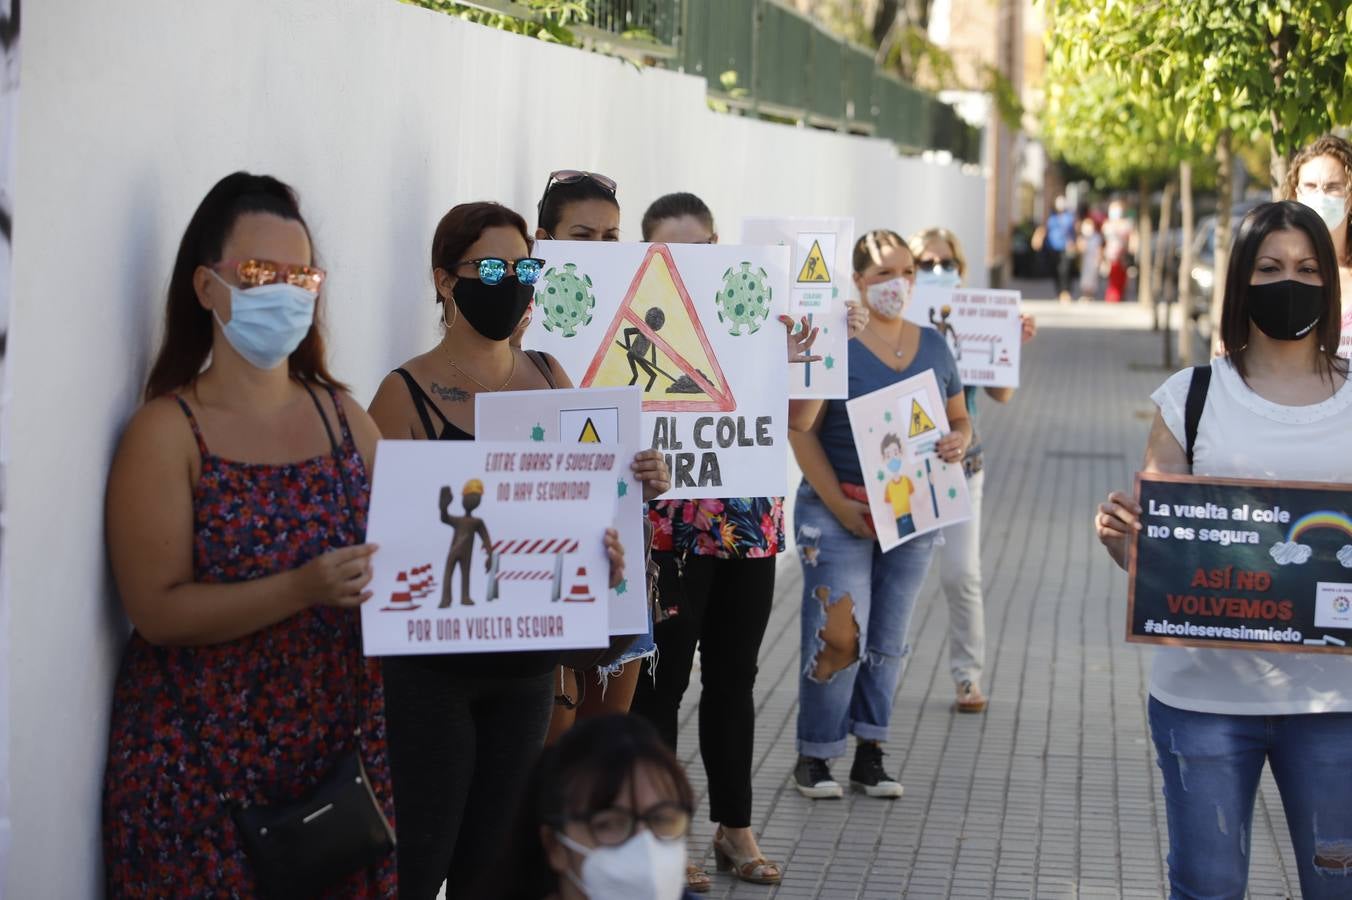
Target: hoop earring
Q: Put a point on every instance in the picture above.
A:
(455, 318)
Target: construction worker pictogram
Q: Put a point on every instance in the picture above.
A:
(401, 598)
(920, 420)
(662, 347)
(580, 592)
(589, 435)
(814, 270)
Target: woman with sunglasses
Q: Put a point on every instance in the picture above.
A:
(581, 206)
(464, 729)
(1277, 406)
(940, 262)
(236, 516)
(606, 817)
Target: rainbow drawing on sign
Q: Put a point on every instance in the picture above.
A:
(1320, 519)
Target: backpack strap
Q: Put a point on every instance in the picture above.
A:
(1196, 402)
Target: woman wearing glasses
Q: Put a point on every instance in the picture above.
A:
(606, 816)
(464, 729)
(1320, 176)
(940, 262)
(236, 518)
(581, 206)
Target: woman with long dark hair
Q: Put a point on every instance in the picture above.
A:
(1277, 406)
(606, 816)
(465, 728)
(236, 515)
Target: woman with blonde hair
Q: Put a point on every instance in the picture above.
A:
(940, 262)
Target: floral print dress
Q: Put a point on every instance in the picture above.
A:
(273, 710)
(732, 528)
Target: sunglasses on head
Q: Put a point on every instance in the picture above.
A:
(253, 273)
(493, 269)
(947, 265)
(573, 176)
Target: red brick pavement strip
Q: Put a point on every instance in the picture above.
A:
(1054, 791)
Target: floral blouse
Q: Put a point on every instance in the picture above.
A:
(732, 528)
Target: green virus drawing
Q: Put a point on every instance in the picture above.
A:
(881, 476)
(622, 587)
(952, 493)
(887, 416)
(744, 302)
(537, 433)
(566, 297)
(829, 362)
(624, 488)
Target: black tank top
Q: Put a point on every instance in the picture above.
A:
(426, 407)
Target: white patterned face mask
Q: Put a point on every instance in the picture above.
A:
(888, 298)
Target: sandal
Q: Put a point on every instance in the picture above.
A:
(970, 699)
(697, 880)
(751, 869)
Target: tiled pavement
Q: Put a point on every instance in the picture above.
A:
(1054, 791)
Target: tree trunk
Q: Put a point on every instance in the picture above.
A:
(1278, 49)
(1166, 248)
(1187, 325)
(1145, 250)
(1225, 162)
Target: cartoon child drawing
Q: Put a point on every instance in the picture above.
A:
(899, 488)
(462, 541)
(945, 328)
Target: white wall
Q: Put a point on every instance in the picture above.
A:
(383, 116)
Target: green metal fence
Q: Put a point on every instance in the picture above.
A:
(762, 57)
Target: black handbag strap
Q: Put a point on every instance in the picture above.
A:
(1192, 409)
(171, 686)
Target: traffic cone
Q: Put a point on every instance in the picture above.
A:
(401, 599)
(580, 593)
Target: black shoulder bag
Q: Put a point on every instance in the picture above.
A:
(1193, 407)
(301, 847)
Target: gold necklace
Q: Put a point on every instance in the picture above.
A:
(896, 348)
(510, 375)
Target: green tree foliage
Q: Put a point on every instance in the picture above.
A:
(548, 20)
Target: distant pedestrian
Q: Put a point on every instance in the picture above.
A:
(1091, 257)
(1119, 236)
(1278, 406)
(1059, 246)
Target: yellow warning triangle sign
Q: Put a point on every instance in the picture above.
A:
(589, 435)
(814, 267)
(656, 342)
(920, 420)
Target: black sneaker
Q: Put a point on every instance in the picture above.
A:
(813, 779)
(867, 773)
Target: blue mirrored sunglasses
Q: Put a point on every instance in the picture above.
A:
(492, 269)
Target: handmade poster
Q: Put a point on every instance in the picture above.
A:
(1257, 565)
(610, 417)
(489, 546)
(982, 329)
(693, 326)
(1345, 339)
(820, 270)
(911, 491)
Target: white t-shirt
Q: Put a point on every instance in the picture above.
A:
(1241, 435)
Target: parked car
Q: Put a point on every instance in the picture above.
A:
(1204, 254)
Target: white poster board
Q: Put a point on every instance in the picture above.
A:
(695, 327)
(820, 286)
(606, 416)
(911, 491)
(518, 527)
(982, 328)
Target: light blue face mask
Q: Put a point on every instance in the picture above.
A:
(267, 322)
(938, 278)
(894, 465)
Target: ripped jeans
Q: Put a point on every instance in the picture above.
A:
(1211, 765)
(857, 604)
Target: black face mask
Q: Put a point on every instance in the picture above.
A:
(493, 310)
(1286, 310)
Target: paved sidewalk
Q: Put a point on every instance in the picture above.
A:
(1054, 791)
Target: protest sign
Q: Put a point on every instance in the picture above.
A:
(489, 546)
(695, 328)
(605, 416)
(820, 285)
(911, 491)
(1258, 565)
(982, 328)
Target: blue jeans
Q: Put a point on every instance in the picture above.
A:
(882, 587)
(1211, 765)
